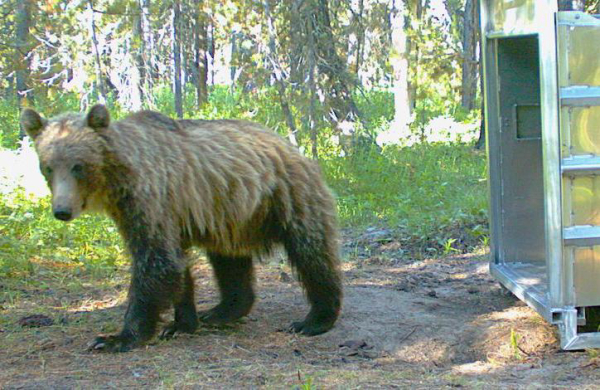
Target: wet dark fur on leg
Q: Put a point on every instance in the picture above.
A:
(186, 318)
(316, 262)
(235, 277)
(156, 281)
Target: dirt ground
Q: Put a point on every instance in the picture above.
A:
(418, 324)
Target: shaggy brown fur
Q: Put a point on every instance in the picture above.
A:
(231, 187)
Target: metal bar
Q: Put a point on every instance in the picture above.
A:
(580, 166)
(583, 341)
(509, 34)
(582, 235)
(576, 18)
(580, 96)
(569, 339)
(560, 272)
(492, 133)
(532, 295)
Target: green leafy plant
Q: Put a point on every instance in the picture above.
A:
(448, 246)
(29, 236)
(306, 384)
(514, 344)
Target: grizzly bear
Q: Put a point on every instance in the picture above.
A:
(230, 187)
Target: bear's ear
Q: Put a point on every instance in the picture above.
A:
(32, 123)
(98, 117)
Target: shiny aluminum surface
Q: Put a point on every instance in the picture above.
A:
(587, 269)
(581, 131)
(579, 77)
(579, 37)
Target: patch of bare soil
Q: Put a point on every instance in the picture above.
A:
(434, 323)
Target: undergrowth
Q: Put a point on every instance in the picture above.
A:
(30, 236)
(432, 195)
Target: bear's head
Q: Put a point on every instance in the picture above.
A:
(71, 150)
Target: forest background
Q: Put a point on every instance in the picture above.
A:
(385, 94)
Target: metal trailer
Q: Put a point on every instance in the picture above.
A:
(542, 111)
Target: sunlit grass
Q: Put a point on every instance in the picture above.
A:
(30, 236)
(426, 192)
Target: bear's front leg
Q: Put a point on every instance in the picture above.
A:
(155, 281)
(186, 318)
(140, 325)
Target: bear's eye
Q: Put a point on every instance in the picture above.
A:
(77, 170)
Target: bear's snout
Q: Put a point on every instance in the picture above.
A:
(63, 213)
(66, 196)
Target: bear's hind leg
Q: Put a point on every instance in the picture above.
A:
(186, 318)
(234, 276)
(315, 259)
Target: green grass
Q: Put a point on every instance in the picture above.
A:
(433, 195)
(30, 235)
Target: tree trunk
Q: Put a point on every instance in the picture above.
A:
(413, 49)
(360, 37)
(399, 62)
(481, 141)
(138, 74)
(177, 92)
(296, 39)
(98, 64)
(9, 92)
(469, 56)
(201, 56)
(312, 114)
(232, 67)
(186, 47)
(211, 47)
(22, 51)
(148, 41)
(278, 72)
(342, 103)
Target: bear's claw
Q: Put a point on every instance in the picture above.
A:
(175, 328)
(168, 332)
(308, 329)
(314, 324)
(112, 343)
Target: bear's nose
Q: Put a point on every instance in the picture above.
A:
(62, 214)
